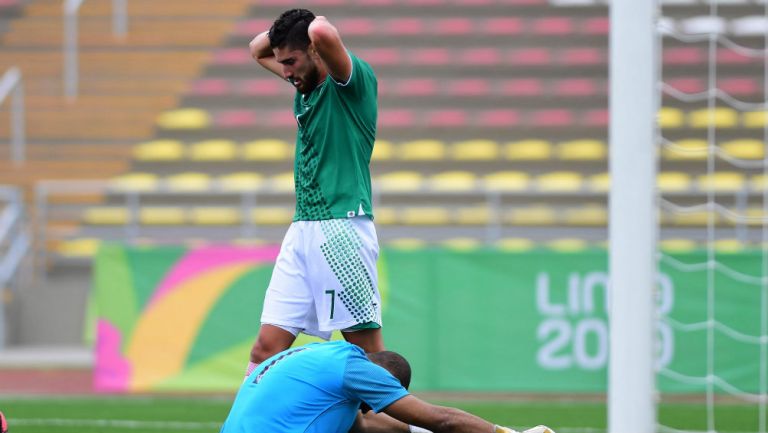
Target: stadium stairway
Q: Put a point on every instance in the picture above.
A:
(124, 85)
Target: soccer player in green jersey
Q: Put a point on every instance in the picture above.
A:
(325, 274)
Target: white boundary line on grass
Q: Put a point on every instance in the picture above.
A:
(178, 425)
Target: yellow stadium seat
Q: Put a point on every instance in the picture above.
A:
(758, 182)
(719, 117)
(697, 218)
(214, 215)
(744, 149)
(240, 181)
(567, 245)
(400, 181)
(729, 245)
(461, 244)
(721, 181)
(213, 150)
(677, 245)
(528, 150)
(78, 248)
(406, 243)
(475, 150)
(474, 215)
(425, 215)
(383, 150)
(138, 182)
(507, 181)
(272, 215)
(514, 244)
(559, 181)
(534, 215)
(159, 150)
(188, 182)
(455, 181)
(755, 119)
(582, 150)
(673, 181)
(267, 150)
(422, 150)
(106, 215)
(185, 118)
(282, 182)
(755, 216)
(165, 215)
(587, 215)
(669, 117)
(600, 182)
(690, 149)
(385, 215)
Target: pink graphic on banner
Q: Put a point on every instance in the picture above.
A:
(112, 371)
(204, 259)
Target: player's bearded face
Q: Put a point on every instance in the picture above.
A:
(299, 68)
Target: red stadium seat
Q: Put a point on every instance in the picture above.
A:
(469, 87)
(264, 87)
(376, 2)
(446, 118)
(575, 87)
(282, 118)
(498, 118)
(424, 2)
(327, 2)
(235, 118)
(523, 2)
(404, 26)
(396, 118)
(210, 87)
(275, 2)
(530, 57)
(687, 84)
(557, 117)
(730, 57)
(582, 56)
(683, 56)
(502, 26)
(596, 118)
(416, 87)
(381, 56)
(740, 86)
(599, 26)
(473, 2)
(553, 26)
(232, 56)
(522, 87)
(355, 26)
(453, 26)
(253, 27)
(430, 56)
(480, 56)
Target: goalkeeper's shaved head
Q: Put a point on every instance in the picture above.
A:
(395, 364)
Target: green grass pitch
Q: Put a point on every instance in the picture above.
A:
(123, 414)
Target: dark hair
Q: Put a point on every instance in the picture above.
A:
(290, 29)
(395, 364)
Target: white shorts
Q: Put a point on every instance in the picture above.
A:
(325, 277)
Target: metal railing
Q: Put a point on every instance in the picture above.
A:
(14, 246)
(12, 84)
(71, 57)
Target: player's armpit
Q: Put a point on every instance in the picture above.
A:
(327, 44)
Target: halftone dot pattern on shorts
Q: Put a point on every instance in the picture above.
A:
(342, 252)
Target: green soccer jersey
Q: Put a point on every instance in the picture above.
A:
(334, 142)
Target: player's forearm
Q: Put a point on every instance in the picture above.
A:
(453, 420)
(260, 48)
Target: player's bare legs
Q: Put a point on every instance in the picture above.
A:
(270, 341)
(370, 340)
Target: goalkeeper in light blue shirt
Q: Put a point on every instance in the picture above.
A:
(322, 387)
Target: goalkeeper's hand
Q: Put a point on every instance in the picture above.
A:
(502, 429)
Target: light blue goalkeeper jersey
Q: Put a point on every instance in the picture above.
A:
(315, 388)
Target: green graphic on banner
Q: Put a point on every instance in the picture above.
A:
(177, 319)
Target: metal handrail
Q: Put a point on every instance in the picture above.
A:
(14, 245)
(71, 62)
(12, 84)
